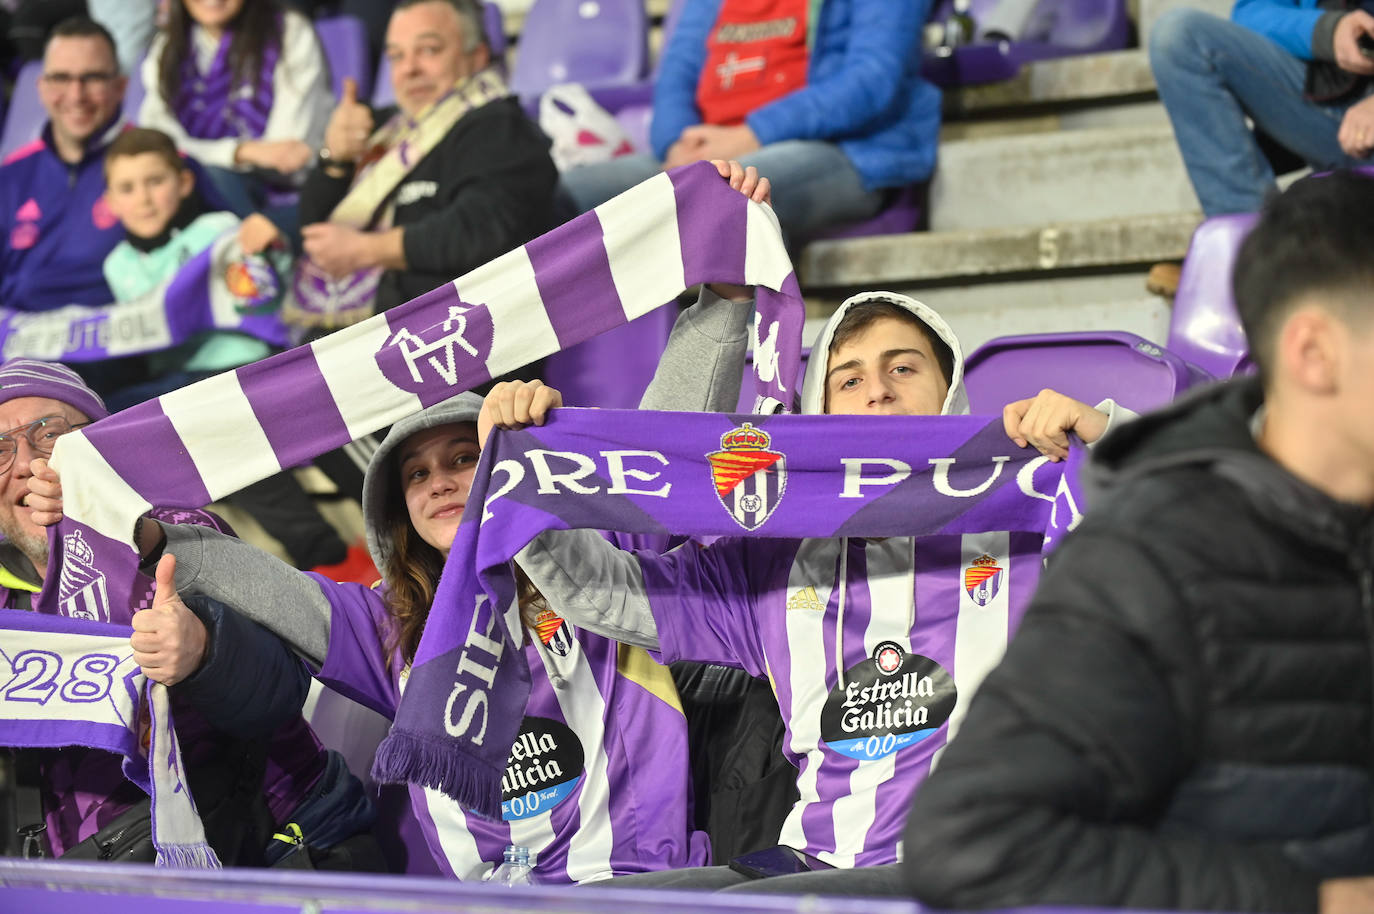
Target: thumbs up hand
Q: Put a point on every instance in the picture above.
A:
(349, 126)
(169, 640)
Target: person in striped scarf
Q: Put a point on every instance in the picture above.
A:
(817, 616)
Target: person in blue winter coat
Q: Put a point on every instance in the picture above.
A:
(823, 96)
(1295, 69)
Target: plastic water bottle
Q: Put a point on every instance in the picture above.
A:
(960, 29)
(514, 869)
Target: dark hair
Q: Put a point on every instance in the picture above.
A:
(859, 316)
(470, 14)
(255, 29)
(1312, 240)
(84, 27)
(140, 140)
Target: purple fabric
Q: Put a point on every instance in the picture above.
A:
(216, 104)
(92, 333)
(643, 825)
(662, 473)
(428, 349)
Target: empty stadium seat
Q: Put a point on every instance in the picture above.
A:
(495, 23)
(1057, 28)
(612, 370)
(593, 42)
(1205, 328)
(344, 40)
(26, 117)
(905, 212)
(1088, 366)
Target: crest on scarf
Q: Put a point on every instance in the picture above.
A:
(81, 591)
(750, 479)
(452, 353)
(552, 632)
(252, 282)
(983, 579)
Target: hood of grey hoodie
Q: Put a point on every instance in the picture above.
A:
(813, 384)
(462, 408)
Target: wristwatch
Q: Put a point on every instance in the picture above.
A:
(331, 165)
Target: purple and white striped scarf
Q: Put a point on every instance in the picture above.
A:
(218, 289)
(703, 475)
(215, 104)
(70, 682)
(605, 268)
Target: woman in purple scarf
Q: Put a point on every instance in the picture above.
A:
(242, 87)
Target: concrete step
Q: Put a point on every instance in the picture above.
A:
(958, 257)
(1151, 10)
(1071, 175)
(1069, 82)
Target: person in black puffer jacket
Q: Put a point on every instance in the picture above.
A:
(1184, 718)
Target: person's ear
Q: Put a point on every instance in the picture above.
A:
(481, 58)
(1309, 350)
(188, 183)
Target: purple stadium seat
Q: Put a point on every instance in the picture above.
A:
(345, 47)
(1087, 366)
(492, 18)
(26, 117)
(905, 213)
(593, 42)
(613, 369)
(1057, 28)
(1205, 328)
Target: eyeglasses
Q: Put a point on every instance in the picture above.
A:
(63, 81)
(41, 434)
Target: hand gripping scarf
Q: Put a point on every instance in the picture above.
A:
(218, 289)
(703, 475)
(609, 266)
(72, 682)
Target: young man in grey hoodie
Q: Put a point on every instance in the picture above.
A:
(733, 602)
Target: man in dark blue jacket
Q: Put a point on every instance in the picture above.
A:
(1295, 68)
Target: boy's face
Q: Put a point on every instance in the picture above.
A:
(144, 191)
(889, 369)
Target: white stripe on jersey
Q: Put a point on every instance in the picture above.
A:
(890, 600)
(815, 563)
(455, 841)
(584, 709)
(981, 638)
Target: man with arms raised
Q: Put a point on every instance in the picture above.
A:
(807, 613)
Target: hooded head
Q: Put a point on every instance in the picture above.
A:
(387, 498)
(885, 354)
(414, 492)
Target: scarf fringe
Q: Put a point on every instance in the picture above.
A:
(405, 757)
(188, 857)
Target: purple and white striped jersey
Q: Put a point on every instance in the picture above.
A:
(597, 781)
(873, 647)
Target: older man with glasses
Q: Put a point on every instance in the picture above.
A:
(253, 763)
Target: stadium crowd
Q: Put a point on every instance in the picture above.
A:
(1175, 701)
